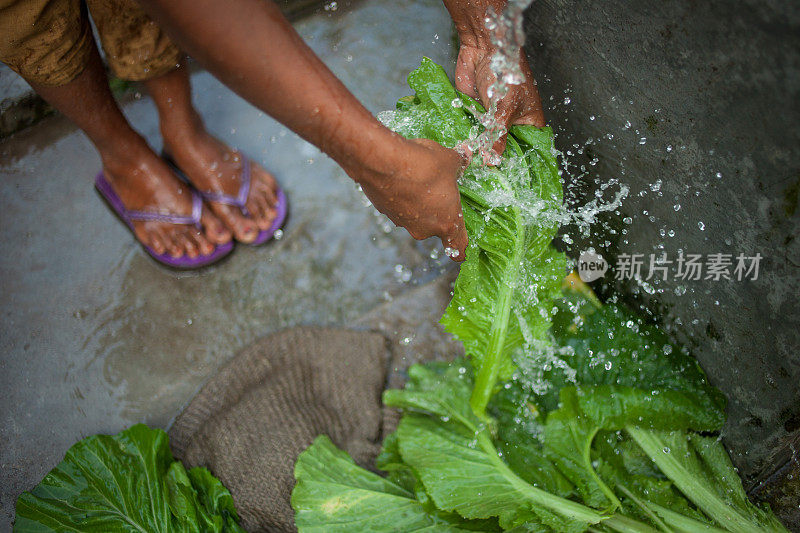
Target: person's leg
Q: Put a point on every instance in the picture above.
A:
(211, 165)
(137, 49)
(140, 178)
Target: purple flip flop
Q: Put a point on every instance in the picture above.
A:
(129, 215)
(281, 208)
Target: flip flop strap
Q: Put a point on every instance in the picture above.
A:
(241, 198)
(194, 218)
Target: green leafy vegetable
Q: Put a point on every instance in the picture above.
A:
(458, 463)
(126, 482)
(334, 494)
(630, 377)
(591, 424)
(702, 470)
(627, 371)
(504, 292)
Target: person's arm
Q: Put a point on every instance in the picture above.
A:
(522, 104)
(250, 47)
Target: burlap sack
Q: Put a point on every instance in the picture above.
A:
(249, 423)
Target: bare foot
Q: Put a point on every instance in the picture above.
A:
(144, 182)
(214, 167)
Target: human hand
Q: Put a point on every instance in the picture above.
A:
(474, 76)
(418, 190)
(521, 105)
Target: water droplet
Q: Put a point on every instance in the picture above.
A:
(451, 252)
(701, 226)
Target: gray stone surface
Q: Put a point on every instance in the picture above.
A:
(94, 336)
(711, 93)
(19, 105)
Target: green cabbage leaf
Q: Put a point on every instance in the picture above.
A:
(126, 482)
(504, 293)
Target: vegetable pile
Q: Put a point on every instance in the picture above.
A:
(127, 482)
(567, 416)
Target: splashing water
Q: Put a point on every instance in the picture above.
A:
(508, 38)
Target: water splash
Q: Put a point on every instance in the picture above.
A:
(508, 38)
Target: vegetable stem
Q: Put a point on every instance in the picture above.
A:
(587, 463)
(487, 376)
(643, 506)
(683, 523)
(623, 524)
(557, 504)
(694, 488)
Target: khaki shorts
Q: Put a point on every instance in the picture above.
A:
(48, 42)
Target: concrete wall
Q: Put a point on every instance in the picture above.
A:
(713, 88)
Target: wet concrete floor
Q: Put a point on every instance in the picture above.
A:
(94, 336)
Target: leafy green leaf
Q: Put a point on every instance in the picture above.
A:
(462, 473)
(125, 482)
(627, 372)
(700, 467)
(451, 452)
(439, 389)
(644, 490)
(519, 441)
(215, 498)
(568, 443)
(390, 461)
(333, 494)
(503, 294)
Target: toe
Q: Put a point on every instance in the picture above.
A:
(263, 200)
(215, 230)
(189, 245)
(150, 235)
(157, 243)
(267, 185)
(175, 246)
(204, 246)
(244, 229)
(262, 212)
